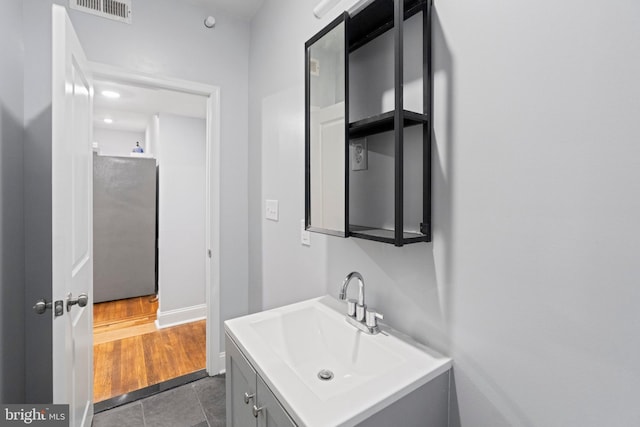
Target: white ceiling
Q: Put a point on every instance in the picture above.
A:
(244, 9)
(133, 110)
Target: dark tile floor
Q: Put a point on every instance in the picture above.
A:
(197, 404)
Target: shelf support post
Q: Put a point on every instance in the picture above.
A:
(427, 128)
(398, 22)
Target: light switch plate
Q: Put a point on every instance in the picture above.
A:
(305, 236)
(272, 210)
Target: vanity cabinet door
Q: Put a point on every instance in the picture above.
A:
(271, 413)
(240, 387)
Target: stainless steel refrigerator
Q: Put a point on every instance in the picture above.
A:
(124, 227)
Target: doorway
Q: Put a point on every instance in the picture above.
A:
(146, 337)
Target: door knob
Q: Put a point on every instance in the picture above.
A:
(248, 397)
(81, 301)
(42, 305)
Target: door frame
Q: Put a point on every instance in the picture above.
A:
(100, 71)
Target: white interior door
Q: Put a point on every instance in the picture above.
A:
(72, 186)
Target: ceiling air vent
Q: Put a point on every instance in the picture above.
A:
(118, 10)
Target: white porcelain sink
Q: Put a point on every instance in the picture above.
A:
(309, 339)
(290, 345)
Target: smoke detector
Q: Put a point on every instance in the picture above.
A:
(118, 10)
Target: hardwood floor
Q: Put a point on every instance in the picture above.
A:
(125, 318)
(129, 353)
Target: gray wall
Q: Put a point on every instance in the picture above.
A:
(166, 38)
(37, 195)
(531, 282)
(11, 204)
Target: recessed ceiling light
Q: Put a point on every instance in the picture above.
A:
(110, 94)
(108, 120)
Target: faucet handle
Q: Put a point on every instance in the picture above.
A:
(361, 311)
(371, 318)
(351, 307)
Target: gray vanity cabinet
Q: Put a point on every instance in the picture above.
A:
(249, 400)
(241, 388)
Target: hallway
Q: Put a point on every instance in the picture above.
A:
(130, 353)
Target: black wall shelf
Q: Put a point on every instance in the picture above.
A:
(383, 123)
(377, 19)
(385, 236)
(369, 217)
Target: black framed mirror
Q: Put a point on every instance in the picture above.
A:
(326, 130)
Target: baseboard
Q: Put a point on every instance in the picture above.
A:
(170, 318)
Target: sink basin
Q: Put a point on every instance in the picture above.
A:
(309, 340)
(289, 347)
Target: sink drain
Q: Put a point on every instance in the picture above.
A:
(325, 375)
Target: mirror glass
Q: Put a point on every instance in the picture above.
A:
(327, 149)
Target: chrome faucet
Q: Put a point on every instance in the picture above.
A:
(360, 307)
(357, 313)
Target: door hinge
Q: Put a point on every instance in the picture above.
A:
(209, 252)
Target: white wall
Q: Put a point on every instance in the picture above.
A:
(290, 272)
(12, 304)
(117, 142)
(542, 243)
(189, 51)
(280, 269)
(181, 216)
(531, 281)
